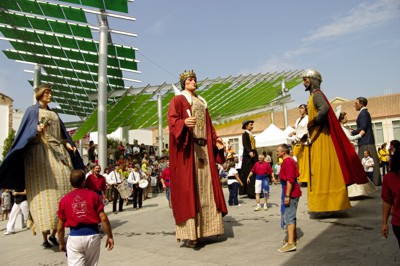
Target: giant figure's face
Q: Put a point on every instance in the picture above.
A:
(306, 83)
(191, 84)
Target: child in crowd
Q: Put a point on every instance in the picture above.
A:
(223, 174)
(5, 203)
(233, 184)
(368, 164)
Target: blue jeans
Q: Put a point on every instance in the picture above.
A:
(289, 216)
(167, 193)
(233, 193)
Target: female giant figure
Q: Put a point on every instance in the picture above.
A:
(196, 196)
(40, 160)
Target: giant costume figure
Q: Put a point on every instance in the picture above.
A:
(196, 195)
(367, 141)
(333, 161)
(250, 157)
(40, 162)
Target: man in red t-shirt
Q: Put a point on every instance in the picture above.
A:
(291, 193)
(81, 210)
(96, 182)
(262, 170)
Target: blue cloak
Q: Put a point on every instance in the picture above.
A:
(12, 173)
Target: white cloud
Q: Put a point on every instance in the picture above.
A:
(360, 18)
(160, 25)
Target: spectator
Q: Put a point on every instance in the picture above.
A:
(384, 158)
(114, 180)
(5, 203)
(291, 193)
(111, 154)
(20, 204)
(368, 164)
(234, 183)
(391, 195)
(81, 210)
(262, 170)
(165, 179)
(92, 152)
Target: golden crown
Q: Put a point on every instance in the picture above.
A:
(187, 74)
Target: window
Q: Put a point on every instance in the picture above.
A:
(378, 132)
(396, 129)
(234, 144)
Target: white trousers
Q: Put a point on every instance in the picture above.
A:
(83, 250)
(23, 207)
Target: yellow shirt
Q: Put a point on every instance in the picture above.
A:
(384, 155)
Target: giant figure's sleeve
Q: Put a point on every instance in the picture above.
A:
(322, 106)
(176, 122)
(11, 173)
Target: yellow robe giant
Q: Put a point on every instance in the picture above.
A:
(326, 188)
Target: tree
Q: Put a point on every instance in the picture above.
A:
(8, 142)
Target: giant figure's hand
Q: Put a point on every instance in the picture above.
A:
(190, 122)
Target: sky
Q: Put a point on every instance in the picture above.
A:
(354, 44)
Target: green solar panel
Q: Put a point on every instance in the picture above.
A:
(116, 5)
(45, 9)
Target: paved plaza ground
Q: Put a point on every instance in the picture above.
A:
(147, 237)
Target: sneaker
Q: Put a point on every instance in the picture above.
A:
(54, 241)
(284, 241)
(258, 208)
(46, 244)
(287, 248)
(265, 207)
(9, 233)
(238, 205)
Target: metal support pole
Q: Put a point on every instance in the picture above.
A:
(285, 115)
(81, 146)
(160, 125)
(36, 80)
(102, 92)
(284, 92)
(272, 117)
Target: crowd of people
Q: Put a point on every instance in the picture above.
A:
(130, 179)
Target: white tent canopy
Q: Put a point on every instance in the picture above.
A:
(272, 136)
(288, 130)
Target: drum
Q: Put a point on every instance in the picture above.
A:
(143, 183)
(124, 189)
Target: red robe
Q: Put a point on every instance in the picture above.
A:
(352, 169)
(184, 197)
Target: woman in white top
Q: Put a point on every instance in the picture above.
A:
(300, 144)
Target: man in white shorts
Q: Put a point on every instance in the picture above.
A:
(81, 210)
(262, 170)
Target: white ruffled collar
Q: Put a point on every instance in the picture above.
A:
(189, 98)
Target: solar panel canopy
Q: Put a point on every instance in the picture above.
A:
(226, 97)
